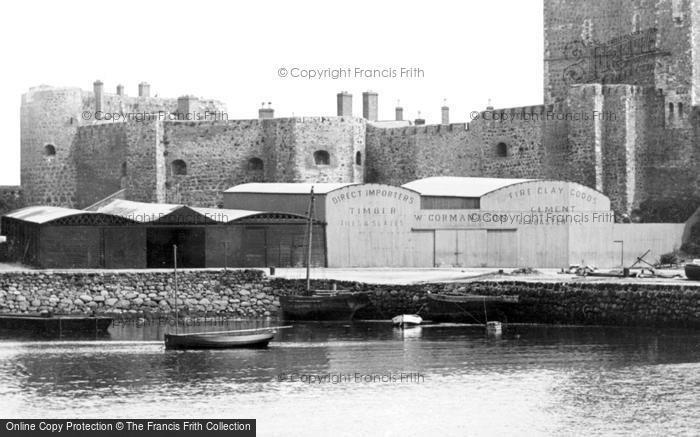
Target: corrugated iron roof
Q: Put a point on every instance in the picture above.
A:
(139, 211)
(286, 188)
(460, 186)
(225, 215)
(44, 214)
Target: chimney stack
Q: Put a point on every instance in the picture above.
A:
(445, 114)
(344, 104)
(266, 113)
(144, 89)
(98, 89)
(419, 121)
(120, 90)
(370, 105)
(399, 112)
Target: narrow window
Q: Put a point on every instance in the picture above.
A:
(49, 150)
(321, 157)
(358, 158)
(123, 169)
(255, 164)
(502, 150)
(178, 167)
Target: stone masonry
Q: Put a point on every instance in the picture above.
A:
(620, 115)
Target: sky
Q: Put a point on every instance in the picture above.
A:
(464, 54)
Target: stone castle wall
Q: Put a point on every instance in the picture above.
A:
(10, 198)
(240, 293)
(64, 142)
(399, 155)
(218, 154)
(49, 122)
(637, 42)
(341, 137)
(101, 169)
(635, 63)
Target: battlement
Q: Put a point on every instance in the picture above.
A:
(430, 129)
(589, 90)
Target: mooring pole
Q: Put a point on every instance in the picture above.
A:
(175, 265)
(310, 242)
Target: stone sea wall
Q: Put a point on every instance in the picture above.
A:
(251, 294)
(240, 293)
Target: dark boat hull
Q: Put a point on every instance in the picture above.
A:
(190, 341)
(467, 309)
(341, 306)
(692, 272)
(54, 326)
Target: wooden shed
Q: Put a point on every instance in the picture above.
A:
(124, 234)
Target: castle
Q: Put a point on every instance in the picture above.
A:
(620, 114)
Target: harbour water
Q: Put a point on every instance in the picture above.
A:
(367, 378)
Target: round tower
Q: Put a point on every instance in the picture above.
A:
(49, 120)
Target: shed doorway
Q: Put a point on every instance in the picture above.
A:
(190, 247)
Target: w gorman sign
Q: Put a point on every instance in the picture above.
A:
(446, 219)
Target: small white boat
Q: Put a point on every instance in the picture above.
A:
(494, 328)
(407, 320)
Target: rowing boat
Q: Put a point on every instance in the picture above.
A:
(692, 270)
(218, 341)
(405, 320)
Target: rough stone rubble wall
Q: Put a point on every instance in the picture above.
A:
(250, 294)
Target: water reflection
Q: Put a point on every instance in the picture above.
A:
(553, 379)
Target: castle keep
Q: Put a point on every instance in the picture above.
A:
(620, 114)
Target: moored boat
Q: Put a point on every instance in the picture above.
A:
(208, 340)
(337, 305)
(54, 325)
(259, 338)
(494, 328)
(406, 320)
(692, 270)
(467, 308)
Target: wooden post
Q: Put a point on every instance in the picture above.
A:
(310, 242)
(622, 252)
(175, 265)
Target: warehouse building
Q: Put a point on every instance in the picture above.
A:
(125, 234)
(465, 222)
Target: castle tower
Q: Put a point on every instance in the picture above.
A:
(187, 107)
(48, 123)
(635, 42)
